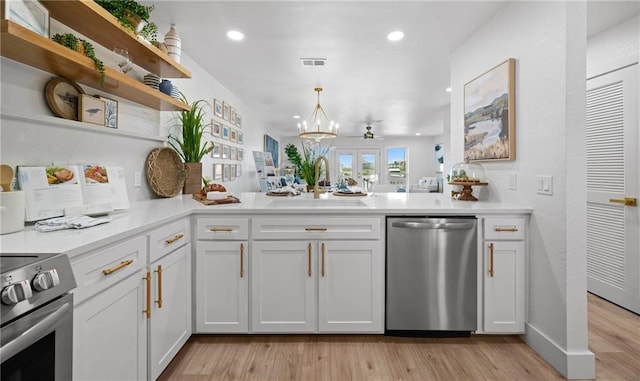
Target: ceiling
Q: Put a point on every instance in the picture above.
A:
(399, 87)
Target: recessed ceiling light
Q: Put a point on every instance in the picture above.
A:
(418, 133)
(235, 35)
(296, 117)
(448, 90)
(396, 35)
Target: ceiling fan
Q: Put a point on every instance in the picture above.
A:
(368, 133)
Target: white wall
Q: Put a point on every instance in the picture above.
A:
(548, 40)
(30, 134)
(614, 48)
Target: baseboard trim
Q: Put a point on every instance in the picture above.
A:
(572, 365)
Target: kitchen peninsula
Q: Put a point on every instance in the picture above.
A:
(142, 289)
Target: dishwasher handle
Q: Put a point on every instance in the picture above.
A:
(431, 225)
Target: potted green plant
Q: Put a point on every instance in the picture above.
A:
(132, 15)
(186, 138)
(305, 164)
(79, 45)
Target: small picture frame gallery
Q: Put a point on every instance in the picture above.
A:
(227, 139)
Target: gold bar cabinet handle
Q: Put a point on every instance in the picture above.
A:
(225, 229)
(323, 259)
(115, 268)
(309, 258)
(491, 260)
(147, 311)
(627, 201)
(315, 229)
(172, 240)
(241, 260)
(159, 272)
(506, 229)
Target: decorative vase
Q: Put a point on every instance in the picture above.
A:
(166, 87)
(193, 182)
(173, 42)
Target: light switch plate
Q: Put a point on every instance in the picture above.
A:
(513, 181)
(544, 184)
(137, 179)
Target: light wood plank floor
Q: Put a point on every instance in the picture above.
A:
(614, 336)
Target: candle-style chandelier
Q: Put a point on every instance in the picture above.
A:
(319, 126)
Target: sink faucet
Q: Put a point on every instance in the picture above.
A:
(316, 189)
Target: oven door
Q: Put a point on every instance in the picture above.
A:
(38, 345)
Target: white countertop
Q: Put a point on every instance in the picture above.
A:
(152, 213)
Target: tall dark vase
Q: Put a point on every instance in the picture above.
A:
(193, 182)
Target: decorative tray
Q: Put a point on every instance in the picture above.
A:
(349, 194)
(203, 199)
(282, 194)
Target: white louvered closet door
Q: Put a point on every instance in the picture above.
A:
(613, 258)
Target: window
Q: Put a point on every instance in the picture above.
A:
(397, 165)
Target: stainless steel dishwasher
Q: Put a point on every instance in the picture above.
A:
(431, 276)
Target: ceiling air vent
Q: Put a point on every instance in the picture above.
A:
(313, 61)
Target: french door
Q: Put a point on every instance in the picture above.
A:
(613, 258)
(356, 163)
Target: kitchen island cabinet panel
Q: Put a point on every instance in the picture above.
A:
(222, 291)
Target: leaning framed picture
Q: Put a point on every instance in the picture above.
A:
(28, 13)
(91, 110)
(272, 146)
(110, 112)
(489, 115)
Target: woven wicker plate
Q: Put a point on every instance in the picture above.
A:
(165, 172)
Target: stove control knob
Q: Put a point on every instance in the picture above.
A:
(46, 280)
(17, 292)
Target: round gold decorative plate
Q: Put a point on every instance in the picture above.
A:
(62, 97)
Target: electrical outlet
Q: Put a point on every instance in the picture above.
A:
(137, 179)
(513, 181)
(544, 184)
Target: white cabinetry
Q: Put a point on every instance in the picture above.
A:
(504, 275)
(222, 275)
(170, 321)
(305, 281)
(109, 327)
(131, 317)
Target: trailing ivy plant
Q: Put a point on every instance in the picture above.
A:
(126, 11)
(72, 42)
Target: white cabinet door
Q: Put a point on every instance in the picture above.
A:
(351, 289)
(222, 287)
(504, 286)
(283, 286)
(110, 333)
(170, 322)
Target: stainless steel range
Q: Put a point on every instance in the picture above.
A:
(36, 331)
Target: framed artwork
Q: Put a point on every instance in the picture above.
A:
(239, 120)
(225, 111)
(240, 154)
(28, 13)
(233, 153)
(225, 173)
(238, 170)
(110, 112)
(216, 152)
(225, 152)
(232, 172)
(217, 108)
(240, 137)
(233, 135)
(272, 146)
(91, 110)
(225, 132)
(232, 116)
(216, 129)
(63, 96)
(217, 172)
(489, 115)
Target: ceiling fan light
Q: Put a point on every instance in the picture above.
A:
(368, 134)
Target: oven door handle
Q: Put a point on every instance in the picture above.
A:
(34, 333)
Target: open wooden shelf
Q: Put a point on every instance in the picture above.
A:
(22, 45)
(93, 21)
